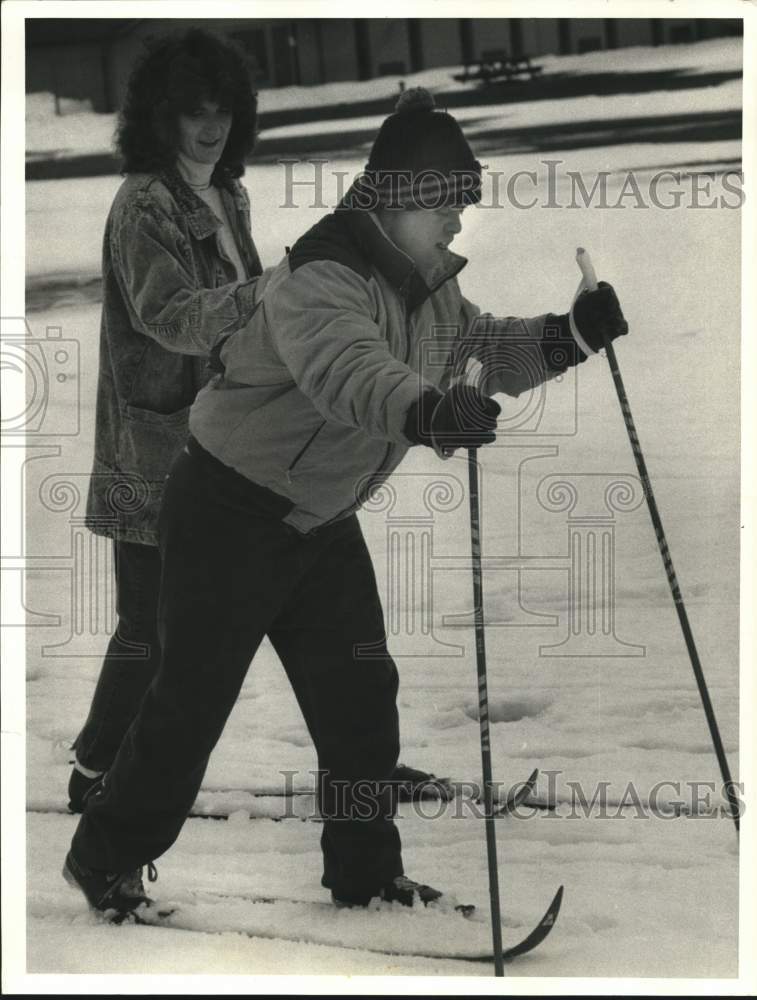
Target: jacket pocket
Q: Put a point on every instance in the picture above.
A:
(328, 470)
(303, 451)
(151, 441)
(141, 415)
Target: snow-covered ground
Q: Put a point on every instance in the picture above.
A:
(650, 891)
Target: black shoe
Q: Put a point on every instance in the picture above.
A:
(121, 892)
(400, 890)
(412, 785)
(80, 787)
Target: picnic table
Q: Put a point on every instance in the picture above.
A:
(498, 65)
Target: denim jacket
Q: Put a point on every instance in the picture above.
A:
(170, 293)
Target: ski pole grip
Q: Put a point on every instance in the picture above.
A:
(471, 376)
(587, 269)
(473, 371)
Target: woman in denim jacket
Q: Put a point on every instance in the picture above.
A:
(180, 273)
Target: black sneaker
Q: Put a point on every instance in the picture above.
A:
(80, 787)
(400, 890)
(120, 892)
(412, 785)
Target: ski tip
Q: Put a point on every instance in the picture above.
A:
(518, 794)
(547, 922)
(539, 932)
(554, 907)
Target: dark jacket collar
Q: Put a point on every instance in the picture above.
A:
(399, 268)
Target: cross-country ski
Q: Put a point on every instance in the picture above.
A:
(284, 917)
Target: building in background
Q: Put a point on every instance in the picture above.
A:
(83, 63)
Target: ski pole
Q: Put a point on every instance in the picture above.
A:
(590, 279)
(483, 712)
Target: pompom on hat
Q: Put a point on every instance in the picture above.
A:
(415, 99)
(420, 159)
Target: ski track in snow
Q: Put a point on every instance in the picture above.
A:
(650, 897)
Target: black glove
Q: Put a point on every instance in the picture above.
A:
(461, 418)
(598, 313)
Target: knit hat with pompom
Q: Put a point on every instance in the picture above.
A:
(420, 158)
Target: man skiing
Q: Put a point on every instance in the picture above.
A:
(321, 395)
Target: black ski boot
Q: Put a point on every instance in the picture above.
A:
(400, 890)
(116, 893)
(411, 785)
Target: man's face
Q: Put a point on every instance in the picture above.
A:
(423, 233)
(204, 131)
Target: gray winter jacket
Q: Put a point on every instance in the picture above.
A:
(347, 336)
(169, 294)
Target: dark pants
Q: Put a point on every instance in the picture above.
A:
(131, 660)
(232, 573)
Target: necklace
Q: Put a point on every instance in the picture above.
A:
(192, 173)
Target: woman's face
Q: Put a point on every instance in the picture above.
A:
(204, 131)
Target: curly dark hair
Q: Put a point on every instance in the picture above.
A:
(174, 76)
